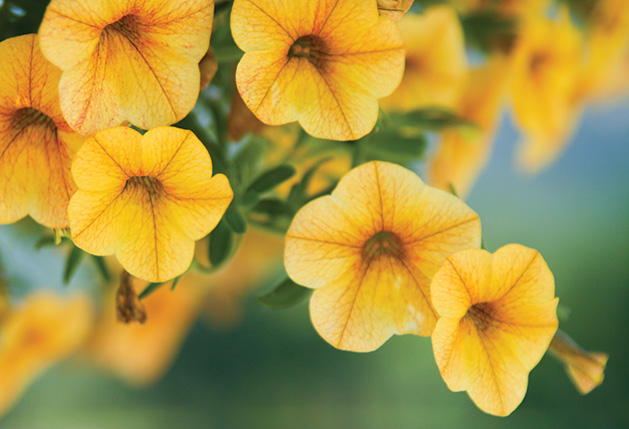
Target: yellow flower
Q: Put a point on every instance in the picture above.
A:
(463, 153)
(141, 353)
(607, 47)
(36, 144)
(497, 316)
(394, 9)
(145, 198)
(585, 369)
(324, 63)
(126, 60)
(547, 59)
(43, 331)
(370, 250)
(436, 66)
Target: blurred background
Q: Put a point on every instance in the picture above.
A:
(268, 368)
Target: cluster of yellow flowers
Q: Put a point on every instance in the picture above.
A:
(385, 253)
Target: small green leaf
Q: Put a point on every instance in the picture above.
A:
(72, 263)
(452, 190)
(99, 261)
(175, 281)
(220, 243)
(430, 118)
(152, 287)
(297, 196)
(45, 241)
(271, 178)
(482, 244)
(235, 220)
(286, 295)
(273, 207)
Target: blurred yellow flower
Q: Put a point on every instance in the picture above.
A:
(463, 153)
(323, 63)
(394, 9)
(146, 198)
(585, 369)
(370, 250)
(36, 144)
(44, 330)
(141, 353)
(436, 66)
(607, 47)
(497, 316)
(126, 60)
(547, 56)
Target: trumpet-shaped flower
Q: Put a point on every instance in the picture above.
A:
(36, 144)
(323, 63)
(436, 66)
(145, 198)
(370, 250)
(463, 153)
(544, 87)
(497, 317)
(34, 336)
(126, 59)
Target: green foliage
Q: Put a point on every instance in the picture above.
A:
(285, 295)
(221, 241)
(72, 263)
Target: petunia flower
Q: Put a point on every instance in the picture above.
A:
(36, 144)
(44, 330)
(145, 198)
(462, 153)
(370, 250)
(585, 369)
(126, 60)
(324, 63)
(547, 61)
(497, 317)
(394, 9)
(436, 66)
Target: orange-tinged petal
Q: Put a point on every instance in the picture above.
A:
(497, 315)
(436, 65)
(370, 250)
(155, 45)
(36, 145)
(146, 199)
(324, 63)
(36, 335)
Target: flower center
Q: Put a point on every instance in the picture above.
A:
(481, 315)
(28, 116)
(383, 243)
(153, 186)
(309, 47)
(127, 26)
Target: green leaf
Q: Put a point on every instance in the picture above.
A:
(271, 178)
(286, 295)
(99, 261)
(273, 207)
(235, 220)
(72, 263)
(45, 241)
(430, 118)
(152, 287)
(175, 281)
(297, 196)
(220, 243)
(394, 146)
